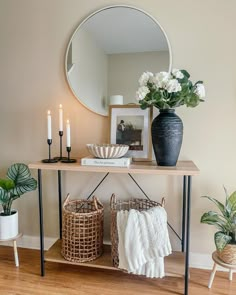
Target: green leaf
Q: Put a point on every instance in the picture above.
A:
(4, 196)
(218, 204)
(233, 216)
(29, 185)
(221, 240)
(19, 182)
(7, 184)
(192, 100)
(213, 218)
(143, 105)
(18, 173)
(231, 202)
(190, 84)
(226, 194)
(198, 82)
(185, 73)
(185, 91)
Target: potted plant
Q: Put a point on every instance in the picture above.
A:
(167, 91)
(18, 182)
(225, 222)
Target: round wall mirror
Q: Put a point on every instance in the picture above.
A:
(109, 51)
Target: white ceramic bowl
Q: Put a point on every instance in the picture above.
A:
(107, 151)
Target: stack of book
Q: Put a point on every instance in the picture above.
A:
(119, 162)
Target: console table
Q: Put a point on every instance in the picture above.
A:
(177, 264)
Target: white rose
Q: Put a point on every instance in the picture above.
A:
(142, 92)
(200, 90)
(173, 86)
(146, 76)
(160, 79)
(177, 73)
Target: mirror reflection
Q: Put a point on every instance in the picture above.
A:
(109, 51)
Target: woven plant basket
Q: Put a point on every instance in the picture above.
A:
(115, 206)
(82, 230)
(228, 254)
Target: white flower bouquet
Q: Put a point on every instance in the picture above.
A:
(169, 90)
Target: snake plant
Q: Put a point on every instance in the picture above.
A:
(18, 182)
(224, 221)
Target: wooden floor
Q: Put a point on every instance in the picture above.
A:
(69, 279)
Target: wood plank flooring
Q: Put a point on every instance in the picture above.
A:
(69, 279)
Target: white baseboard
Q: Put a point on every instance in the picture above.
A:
(32, 242)
(196, 260)
(202, 261)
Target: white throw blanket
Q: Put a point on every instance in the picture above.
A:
(143, 241)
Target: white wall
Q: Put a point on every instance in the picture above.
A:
(34, 37)
(124, 71)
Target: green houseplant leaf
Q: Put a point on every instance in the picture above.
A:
(19, 182)
(213, 218)
(28, 185)
(4, 196)
(221, 240)
(19, 173)
(7, 184)
(186, 74)
(218, 204)
(225, 221)
(231, 202)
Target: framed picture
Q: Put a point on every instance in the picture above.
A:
(131, 125)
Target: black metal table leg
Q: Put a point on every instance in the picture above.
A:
(59, 201)
(187, 235)
(184, 214)
(41, 222)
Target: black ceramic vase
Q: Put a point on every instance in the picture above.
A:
(167, 135)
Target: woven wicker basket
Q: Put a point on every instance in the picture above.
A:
(138, 204)
(228, 254)
(82, 230)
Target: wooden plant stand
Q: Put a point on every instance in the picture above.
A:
(14, 247)
(217, 261)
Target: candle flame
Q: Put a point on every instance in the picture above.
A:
(49, 112)
(67, 122)
(60, 106)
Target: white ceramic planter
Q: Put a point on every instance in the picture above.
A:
(9, 226)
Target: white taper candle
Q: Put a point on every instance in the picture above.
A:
(60, 118)
(49, 125)
(68, 133)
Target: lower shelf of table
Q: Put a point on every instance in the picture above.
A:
(174, 263)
